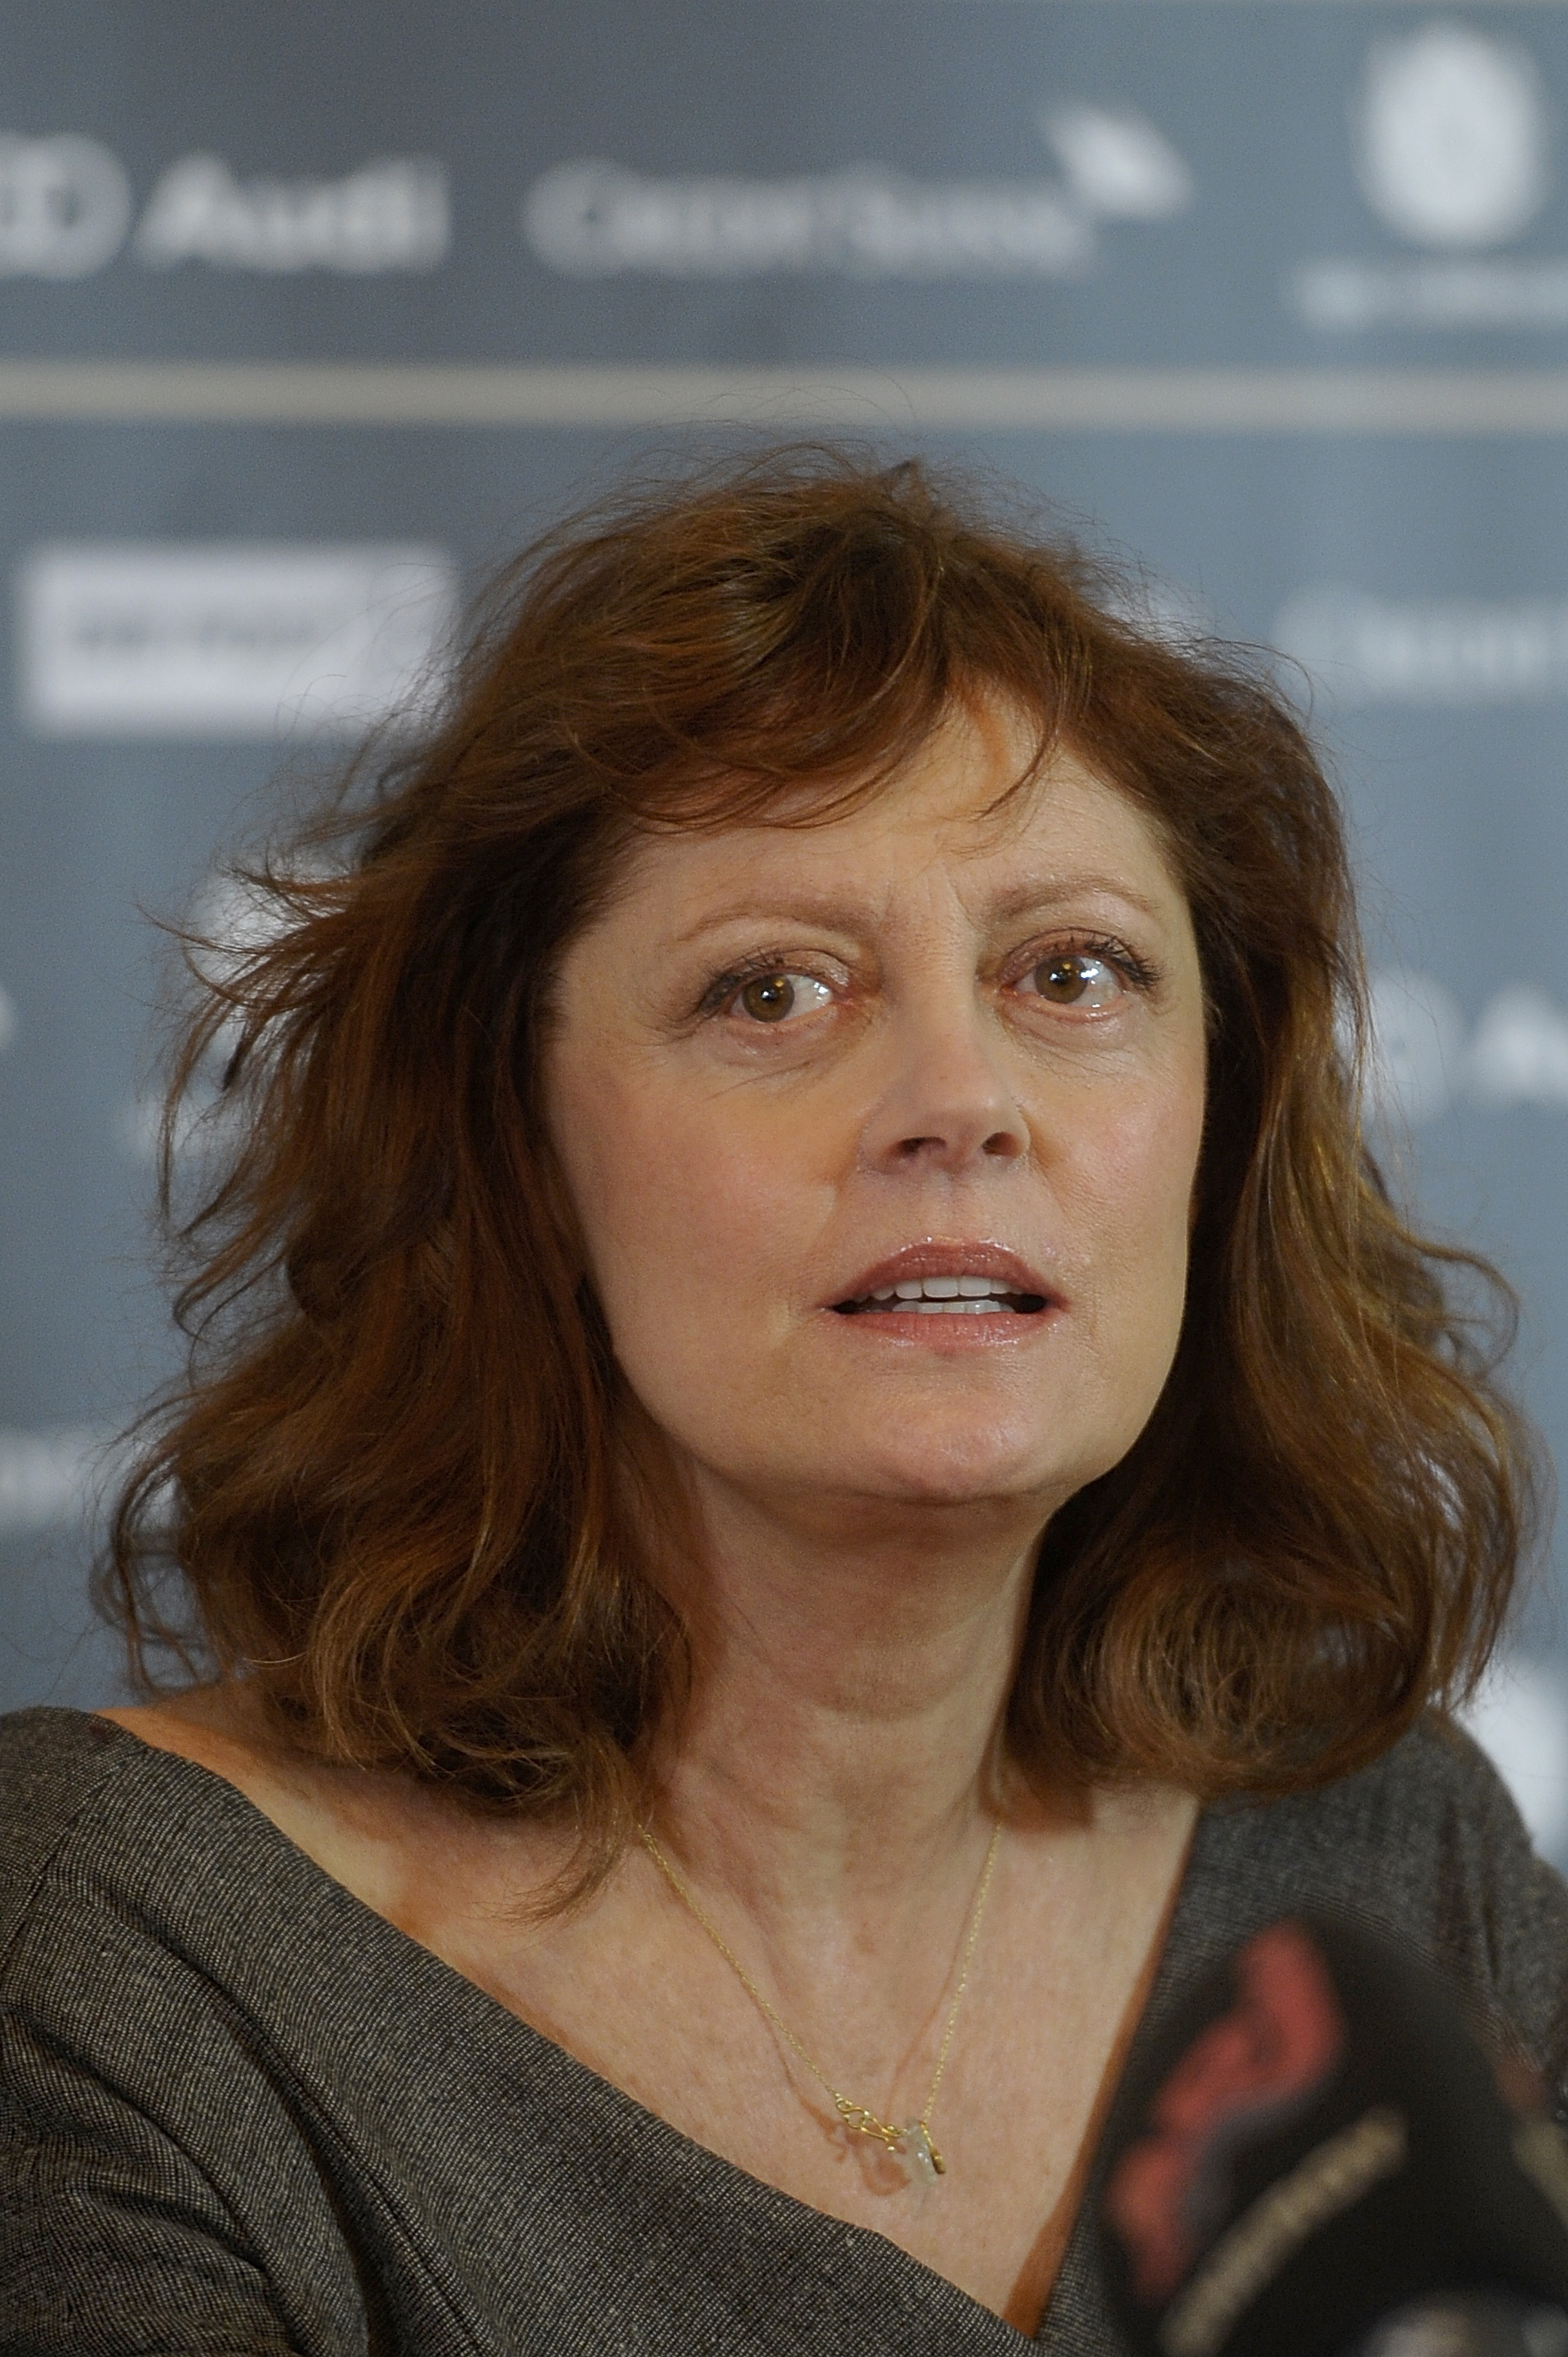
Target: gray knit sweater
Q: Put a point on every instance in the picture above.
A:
(240, 2113)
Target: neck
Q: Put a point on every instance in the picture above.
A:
(839, 1753)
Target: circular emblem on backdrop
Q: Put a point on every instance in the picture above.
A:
(65, 206)
(1453, 130)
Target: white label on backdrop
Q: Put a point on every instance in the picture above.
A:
(1441, 651)
(132, 640)
(1422, 1062)
(47, 1475)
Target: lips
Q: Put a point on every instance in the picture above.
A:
(968, 1281)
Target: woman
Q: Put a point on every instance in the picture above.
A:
(814, 1467)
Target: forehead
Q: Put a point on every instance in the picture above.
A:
(957, 804)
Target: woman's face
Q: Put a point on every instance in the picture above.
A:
(883, 1134)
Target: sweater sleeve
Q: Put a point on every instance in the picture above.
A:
(156, 2193)
(113, 2241)
(1425, 1849)
(1502, 1910)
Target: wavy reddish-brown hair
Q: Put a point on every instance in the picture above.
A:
(393, 1490)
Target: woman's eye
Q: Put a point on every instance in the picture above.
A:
(770, 997)
(1074, 978)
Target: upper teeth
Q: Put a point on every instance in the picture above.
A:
(944, 1288)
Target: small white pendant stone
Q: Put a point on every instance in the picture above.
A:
(917, 2153)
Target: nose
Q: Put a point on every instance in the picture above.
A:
(947, 1105)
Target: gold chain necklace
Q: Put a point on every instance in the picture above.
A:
(911, 2139)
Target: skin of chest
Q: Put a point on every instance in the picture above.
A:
(632, 1988)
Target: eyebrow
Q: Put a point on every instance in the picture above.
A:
(1034, 895)
(1047, 892)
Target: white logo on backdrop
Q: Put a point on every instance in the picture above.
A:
(65, 205)
(1452, 133)
(230, 643)
(592, 219)
(1117, 165)
(1423, 1062)
(391, 215)
(1446, 653)
(47, 1476)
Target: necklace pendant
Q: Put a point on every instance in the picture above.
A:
(924, 2161)
(859, 2121)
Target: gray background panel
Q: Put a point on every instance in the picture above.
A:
(1448, 740)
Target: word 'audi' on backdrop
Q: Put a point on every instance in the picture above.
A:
(65, 206)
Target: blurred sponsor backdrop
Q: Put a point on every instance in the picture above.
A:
(313, 314)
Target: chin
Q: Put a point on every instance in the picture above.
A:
(972, 1468)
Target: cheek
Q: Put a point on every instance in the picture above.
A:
(681, 1207)
(1135, 1174)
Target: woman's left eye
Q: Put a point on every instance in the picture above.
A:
(1078, 978)
(773, 998)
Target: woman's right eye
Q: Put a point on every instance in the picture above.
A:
(773, 997)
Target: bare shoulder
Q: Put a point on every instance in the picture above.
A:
(367, 1829)
(209, 1725)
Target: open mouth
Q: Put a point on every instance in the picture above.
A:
(945, 1296)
